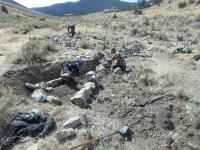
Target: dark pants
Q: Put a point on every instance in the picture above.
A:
(71, 29)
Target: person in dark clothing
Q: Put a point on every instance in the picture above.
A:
(26, 124)
(71, 29)
(71, 70)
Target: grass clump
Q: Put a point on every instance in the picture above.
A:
(35, 51)
(182, 4)
(85, 45)
(138, 11)
(181, 94)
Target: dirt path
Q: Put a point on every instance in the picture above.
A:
(10, 46)
(183, 72)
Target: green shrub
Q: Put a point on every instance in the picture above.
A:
(182, 4)
(138, 11)
(35, 51)
(198, 18)
(85, 45)
(114, 16)
(32, 53)
(4, 9)
(198, 2)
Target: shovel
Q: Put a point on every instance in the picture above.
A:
(124, 131)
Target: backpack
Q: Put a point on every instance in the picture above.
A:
(27, 117)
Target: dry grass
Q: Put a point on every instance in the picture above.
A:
(35, 51)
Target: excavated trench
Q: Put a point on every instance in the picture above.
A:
(41, 73)
(164, 123)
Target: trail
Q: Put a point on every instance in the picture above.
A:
(10, 47)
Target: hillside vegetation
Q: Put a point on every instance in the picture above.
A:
(148, 37)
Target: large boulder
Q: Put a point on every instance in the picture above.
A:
(66, 134)
(81, 97)
(75, 122)
(92, 77)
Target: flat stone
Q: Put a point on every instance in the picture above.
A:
(54, 100)
(66, 134)
(74, 122)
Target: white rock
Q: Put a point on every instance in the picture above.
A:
(81, 97)
(92, 77)
(79, 100)
(74, 122)
(54, 100)
(66, 134)
(100, 68)
(39, 95)
(91, 85)
(33, 147)
(118, 71)
(32, 86)
(54, 83)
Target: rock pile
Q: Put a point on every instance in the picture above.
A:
(63, 39)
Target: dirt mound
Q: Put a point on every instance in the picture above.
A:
(165, 122)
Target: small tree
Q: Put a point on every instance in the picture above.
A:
(4, 9)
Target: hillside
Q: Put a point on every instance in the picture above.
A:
(82, 7)
(157, 96)
(12, 2)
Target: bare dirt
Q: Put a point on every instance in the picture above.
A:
(171, 122)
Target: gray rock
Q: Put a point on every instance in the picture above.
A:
(66, 134)
(90, 85)
(92, 77)
(81, 97)
(54, 100)
(39, 95)
(32, 86)
(118, 71)
(74, 122)
(54, 83)
(33, 147)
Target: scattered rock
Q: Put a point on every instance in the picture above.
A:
(33, 147)
(74, 122)
(54, 100)
(92, 77)
(66, 134)
(81, 97)
(39, 95)
(167, 125)
(118, 71)
(54, 83)
(32, 86)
